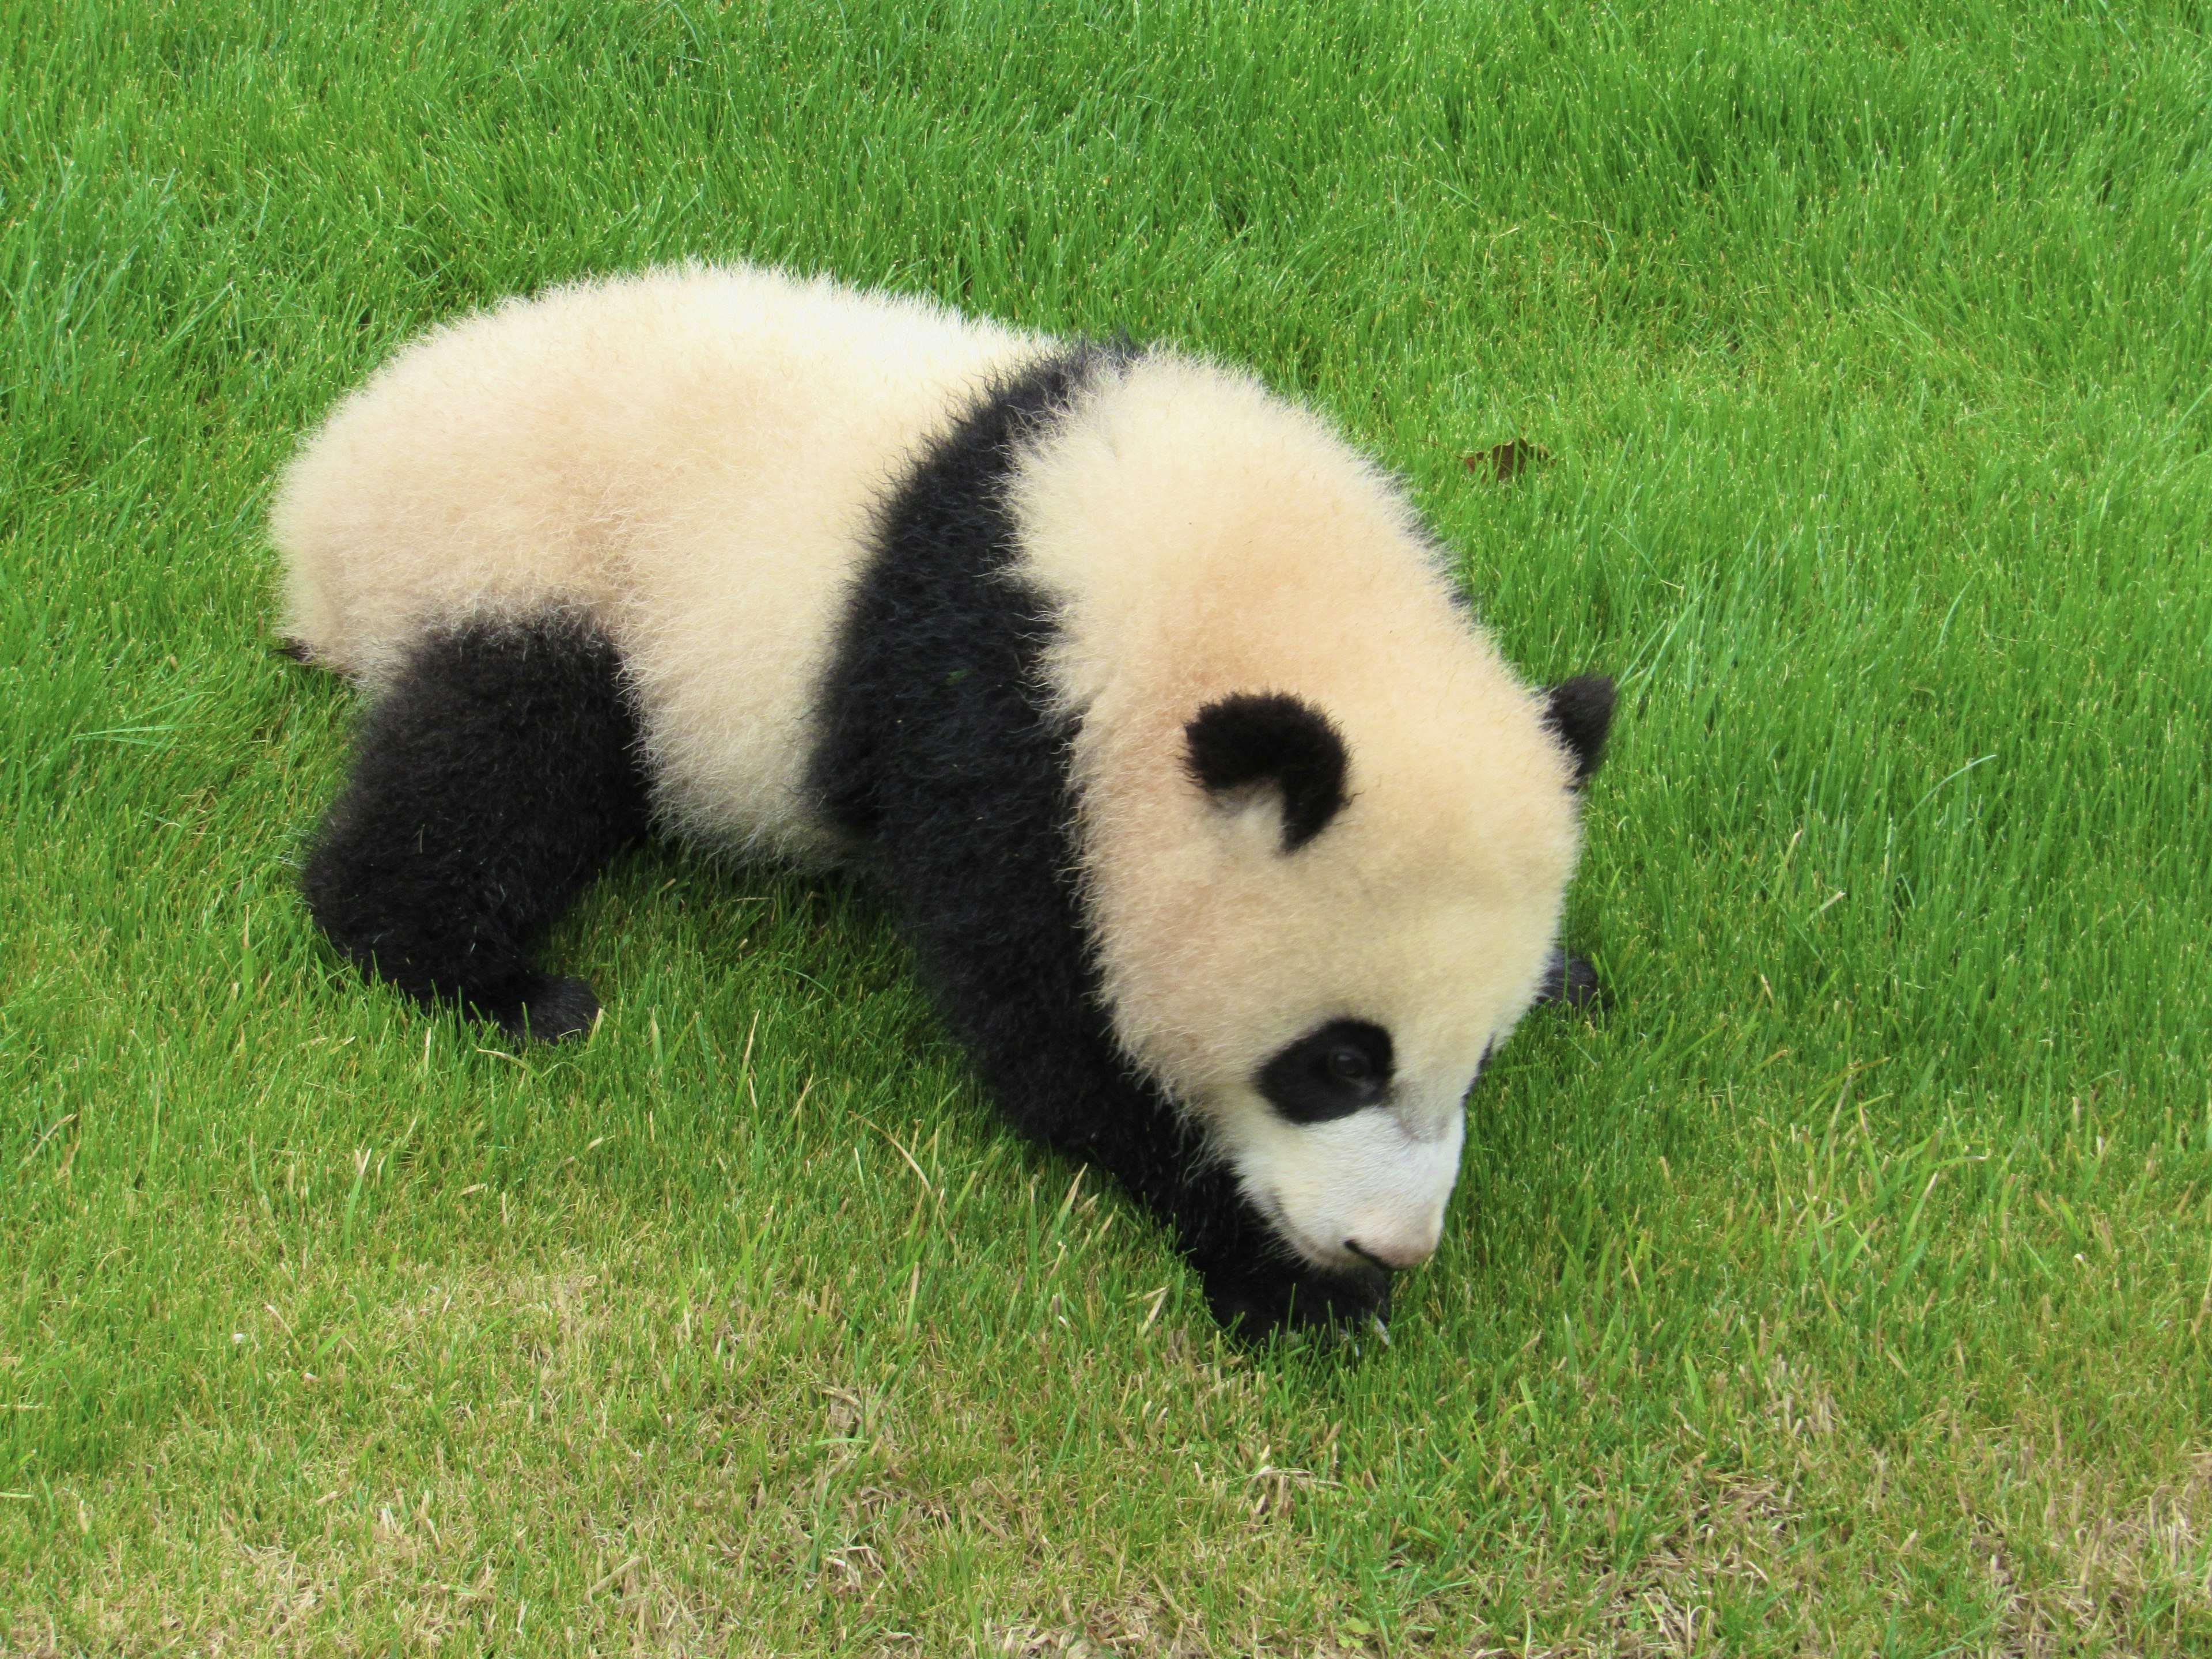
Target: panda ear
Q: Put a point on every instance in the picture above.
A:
(1579, 713)
(1271, 738)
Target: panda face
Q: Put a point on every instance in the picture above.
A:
(1335, 1098)
(1347, 1134)
(1343, 914)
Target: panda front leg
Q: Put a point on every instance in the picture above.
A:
(492, 780)
(1256, 1284)
(1255, 1297)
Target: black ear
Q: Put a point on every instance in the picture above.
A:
(1276, 738)
(1579, 711)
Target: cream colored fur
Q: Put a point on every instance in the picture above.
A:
(695, 457)
(692, 456)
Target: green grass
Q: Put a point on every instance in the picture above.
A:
(1846, 1288)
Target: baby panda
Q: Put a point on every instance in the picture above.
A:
(1228, 843)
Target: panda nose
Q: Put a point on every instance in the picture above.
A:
(1392, 1255)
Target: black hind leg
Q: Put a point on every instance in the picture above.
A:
(491, 783)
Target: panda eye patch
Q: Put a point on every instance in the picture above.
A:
(1331, 1073)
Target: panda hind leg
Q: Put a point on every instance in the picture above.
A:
(493, 781)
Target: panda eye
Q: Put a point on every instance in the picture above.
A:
(1348, 1065)
(1332, 1072)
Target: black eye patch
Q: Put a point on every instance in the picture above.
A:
(1342, 1068)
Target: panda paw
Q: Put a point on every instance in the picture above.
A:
(1254, 1307)
(1571, 982)
(556, 1008)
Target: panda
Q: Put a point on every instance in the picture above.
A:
(1227, 841)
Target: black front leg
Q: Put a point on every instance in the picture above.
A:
(1256, 1299)
(1254, 1283)
(493, 780)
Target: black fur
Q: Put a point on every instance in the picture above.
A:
(1252, 738)
(498, 776)
(1580, 712)
(940, 754)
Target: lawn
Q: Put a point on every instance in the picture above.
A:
(1843, 1287)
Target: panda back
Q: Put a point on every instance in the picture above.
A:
(692, 457)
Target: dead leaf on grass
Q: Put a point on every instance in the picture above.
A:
(1507, 461)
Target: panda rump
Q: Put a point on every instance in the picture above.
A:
(1230, 847)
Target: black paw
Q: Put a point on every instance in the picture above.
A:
(1571, 982)
(557, 1008)
(1253, 1305)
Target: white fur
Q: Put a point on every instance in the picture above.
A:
(696, 458)
(1371, 1179)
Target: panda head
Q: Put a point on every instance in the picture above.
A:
(1325, 831)
(1359, 907)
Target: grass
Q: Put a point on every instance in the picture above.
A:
(1844, 1289)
